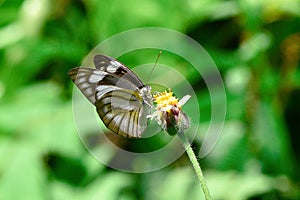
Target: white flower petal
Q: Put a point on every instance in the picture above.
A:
(184, 100)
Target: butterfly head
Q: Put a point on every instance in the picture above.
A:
(145, 93)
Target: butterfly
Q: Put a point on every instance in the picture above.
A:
(121, 99)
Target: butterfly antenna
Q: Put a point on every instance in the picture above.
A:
(154, 66)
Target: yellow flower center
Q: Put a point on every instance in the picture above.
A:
(165, 100)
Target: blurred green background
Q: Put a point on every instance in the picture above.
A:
(256, 46)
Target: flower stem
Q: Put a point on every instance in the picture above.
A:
(195, 164)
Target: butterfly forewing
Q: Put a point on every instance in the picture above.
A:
(87, 79)
(110, 65)
(121, 99)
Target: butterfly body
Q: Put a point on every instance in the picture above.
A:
(122, 100)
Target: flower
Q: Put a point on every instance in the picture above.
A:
(168, 112)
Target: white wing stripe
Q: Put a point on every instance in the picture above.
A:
(103, 89)
(124, 123)
(95, 78)
(131, 123)
(84, 85)
(80, 80)
(111, 68)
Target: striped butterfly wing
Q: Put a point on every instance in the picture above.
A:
(121, 99)
(87, 79)
(110, 65)
(122, 110)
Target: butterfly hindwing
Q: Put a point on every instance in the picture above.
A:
(123, 112)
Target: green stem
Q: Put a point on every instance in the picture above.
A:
(195, 164)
